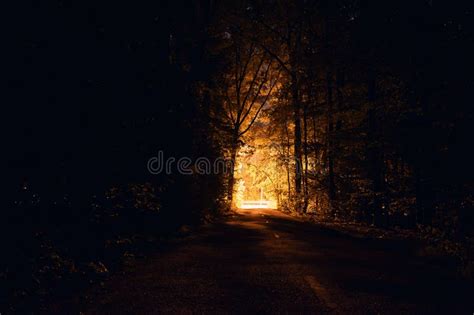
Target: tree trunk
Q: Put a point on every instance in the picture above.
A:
(330, 153)
(375, 155)
(231, 181)
(294, 47)
(305, 151)
(297, 145)
(287, 161)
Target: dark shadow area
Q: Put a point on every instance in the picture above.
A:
(348, 112)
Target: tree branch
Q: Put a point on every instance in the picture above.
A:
(261, 106)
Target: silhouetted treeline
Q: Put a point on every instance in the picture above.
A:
(94, 91)
(373, 119)
(368, 104)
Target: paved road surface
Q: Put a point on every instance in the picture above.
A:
(262, 261)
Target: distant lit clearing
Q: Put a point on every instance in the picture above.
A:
(257, 177)
(257, 204)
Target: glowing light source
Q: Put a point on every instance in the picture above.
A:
(257, 204)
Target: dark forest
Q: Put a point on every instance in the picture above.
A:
(273, 156)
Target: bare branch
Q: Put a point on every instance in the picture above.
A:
(244, 70)
(252, 83)
(278, 59)
(261, 106)
(256, 94)
(234, 122)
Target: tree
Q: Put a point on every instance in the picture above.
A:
(244, 90)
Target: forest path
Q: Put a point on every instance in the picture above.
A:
(263, 261)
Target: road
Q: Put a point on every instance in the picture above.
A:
(262, 261)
